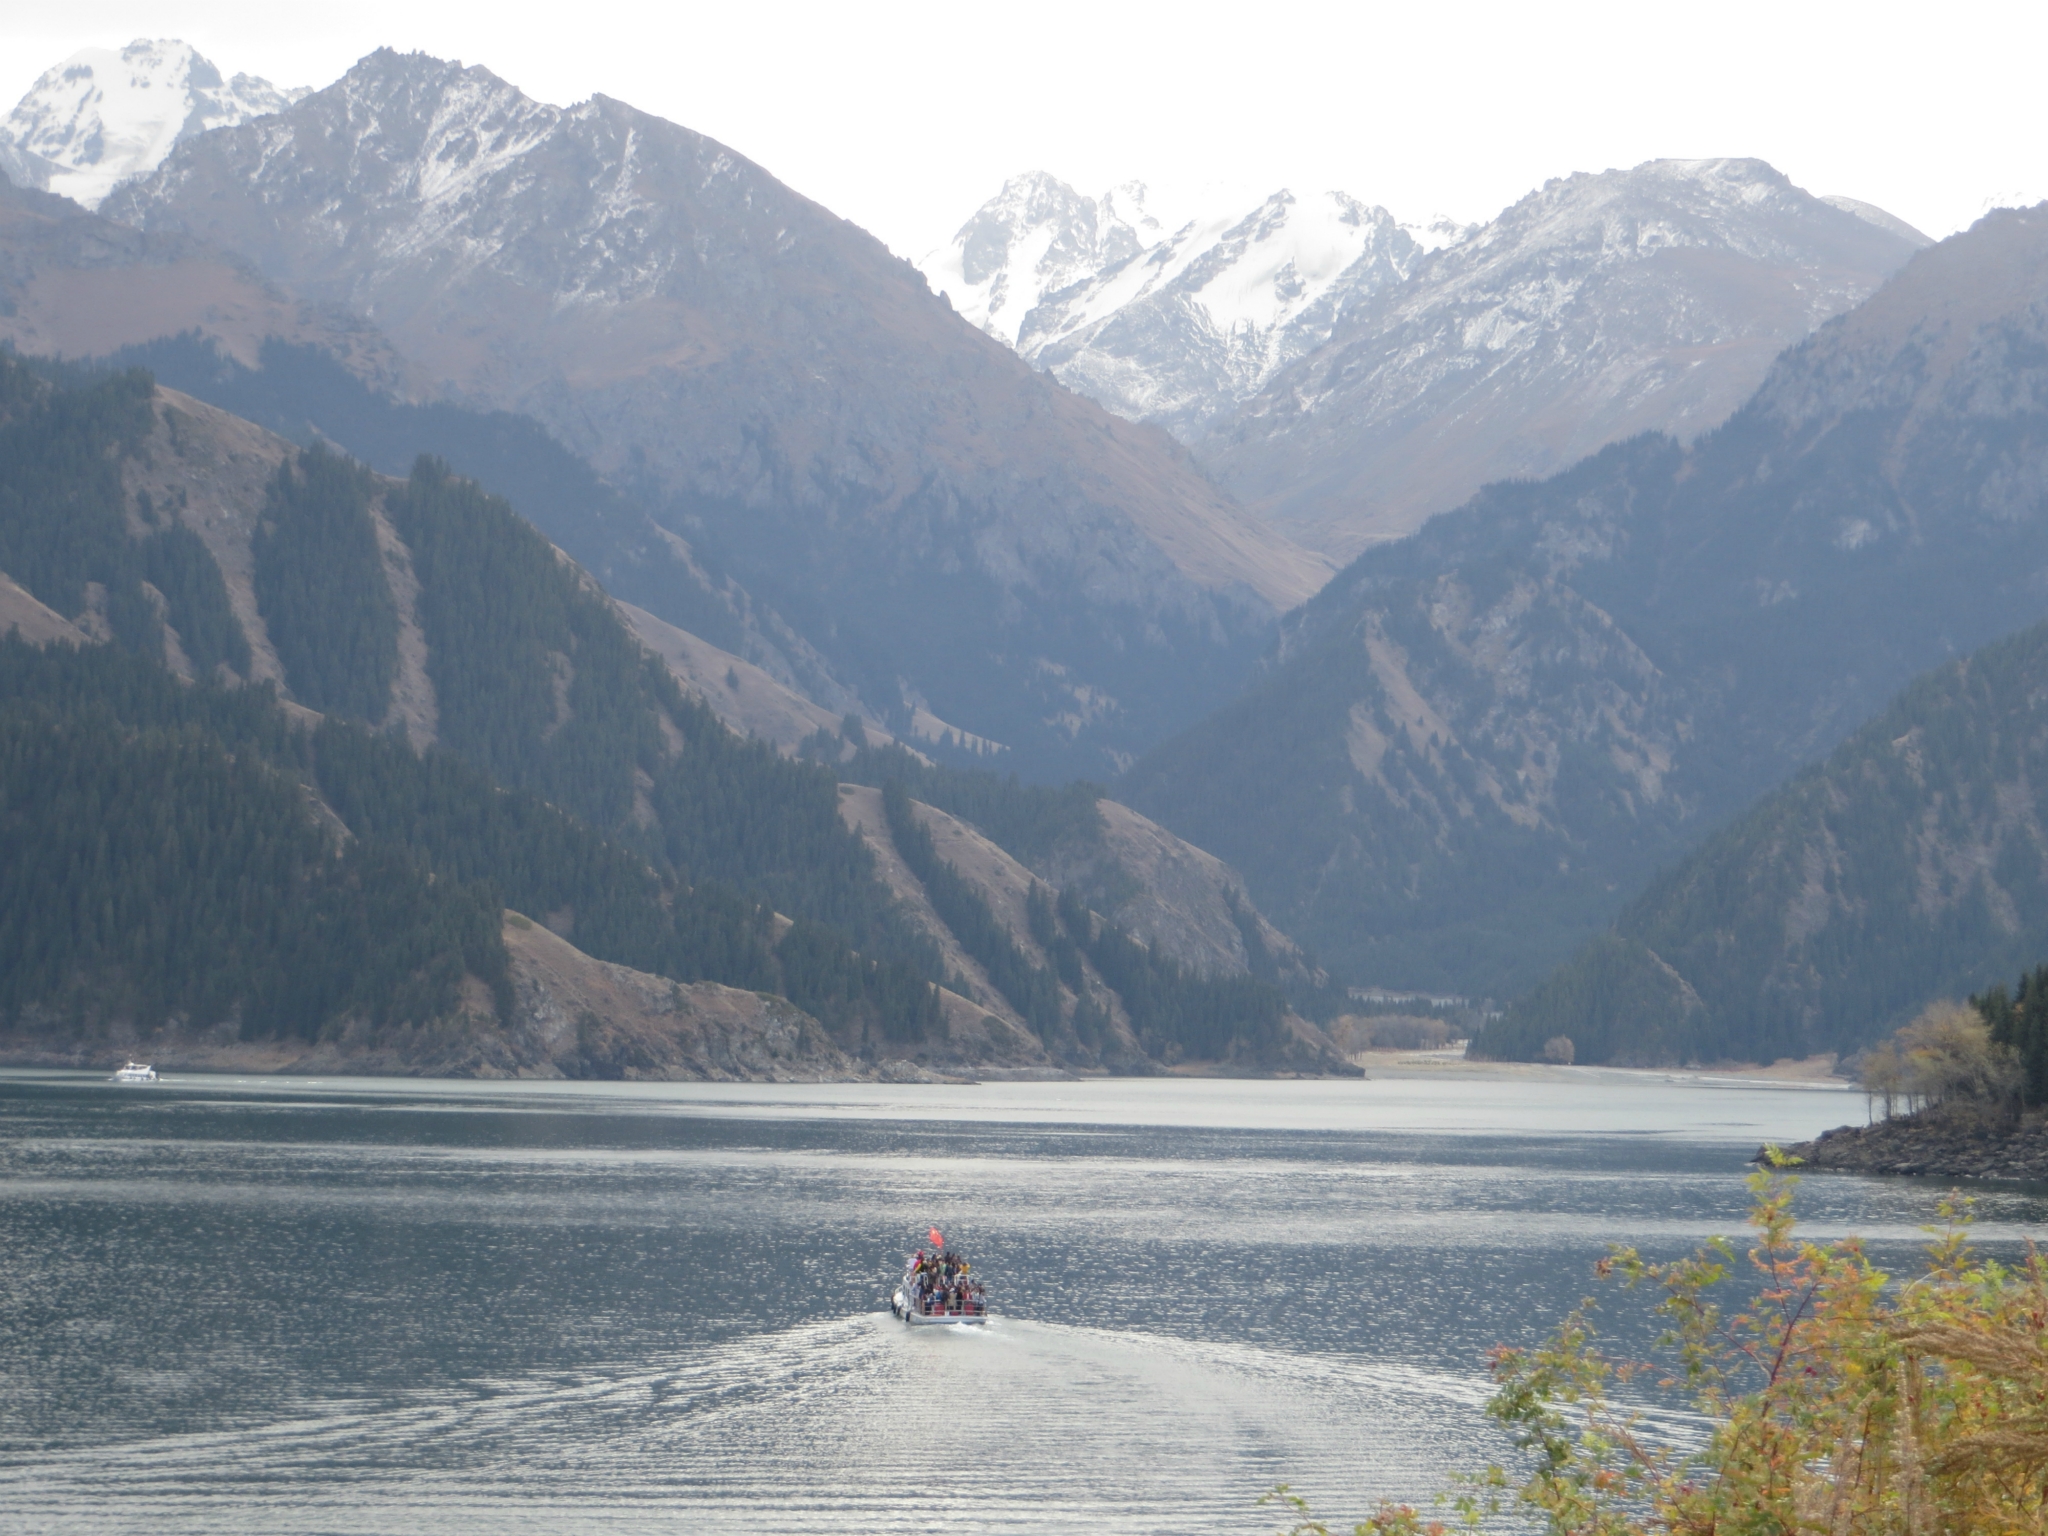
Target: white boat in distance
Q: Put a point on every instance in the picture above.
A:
(135, 1072)
(939, 1289)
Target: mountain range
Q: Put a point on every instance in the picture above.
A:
(772, 385)
(1348, 376)
(1169, 326)
(1655, 489)
(1475, 743)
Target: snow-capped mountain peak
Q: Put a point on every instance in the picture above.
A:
(1035, 237)
(1202, 317)
(104, 115)
(1599, 306)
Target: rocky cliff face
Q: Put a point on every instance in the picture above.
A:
(1501, 725)
(1037, 236)
(1934, 1144)
(1210, 314)
(573, 1016)
(953, 531)
(1600, 306)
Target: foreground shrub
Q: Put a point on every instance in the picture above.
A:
(1837, 1402)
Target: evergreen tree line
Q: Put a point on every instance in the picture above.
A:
(1091, 1022)
(607, 899)
(466, 845)
(321, 588)
(148, 873)
(64, 519)
(542, 862)
(2019, 1021)
(544, 688)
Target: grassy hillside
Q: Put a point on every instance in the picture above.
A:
(1911, 864)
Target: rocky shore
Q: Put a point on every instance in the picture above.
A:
(1935, 1144)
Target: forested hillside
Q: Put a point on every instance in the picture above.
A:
(158, 862)
(486, 716)
(1911, 864)
(165, 863)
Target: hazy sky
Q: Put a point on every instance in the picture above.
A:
(905, 117)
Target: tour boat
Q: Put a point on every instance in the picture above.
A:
(939, 1290)
(135, 1072)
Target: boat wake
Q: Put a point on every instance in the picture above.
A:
(848, 1424)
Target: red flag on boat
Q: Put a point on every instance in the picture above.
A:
(937, 1241)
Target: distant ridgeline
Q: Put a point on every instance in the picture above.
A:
(1910, 865)
(494, 735)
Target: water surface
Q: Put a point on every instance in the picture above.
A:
(373, 1306)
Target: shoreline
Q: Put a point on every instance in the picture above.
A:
(1928, 1144)
(259, 1058)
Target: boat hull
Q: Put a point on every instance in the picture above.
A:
(916, 1319)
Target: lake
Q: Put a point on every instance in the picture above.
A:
(263, 1305)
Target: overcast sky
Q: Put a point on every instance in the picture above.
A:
(906, 117)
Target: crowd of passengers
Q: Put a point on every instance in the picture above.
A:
(940, 1286)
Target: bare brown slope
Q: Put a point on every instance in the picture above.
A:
(75, 285)
(744, 696)
(1174, 896)
(22, 614)
(861, 809)
(211, 471)
(979, 1019)
(578, 1017)
(1001, 882)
